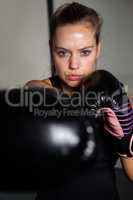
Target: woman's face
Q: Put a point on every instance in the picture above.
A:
(74, 52)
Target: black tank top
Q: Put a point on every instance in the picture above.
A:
(55, 81)
(87, 183)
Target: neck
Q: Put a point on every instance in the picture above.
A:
(67, 89)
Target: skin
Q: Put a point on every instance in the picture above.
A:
(74, 53)
(127, 167)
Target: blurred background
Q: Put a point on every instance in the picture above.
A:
(24, 52)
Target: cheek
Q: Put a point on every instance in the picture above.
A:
(59, 66)
(91, 60)
(89, 64)
(56, 60)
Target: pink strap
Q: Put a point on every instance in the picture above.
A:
(112, 124)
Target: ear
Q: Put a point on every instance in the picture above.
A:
(98, 49)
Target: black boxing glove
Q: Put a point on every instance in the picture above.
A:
(112, 100)
(64, 123)
(40, 129)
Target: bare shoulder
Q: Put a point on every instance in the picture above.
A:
(39, 83)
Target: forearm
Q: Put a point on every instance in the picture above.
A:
(127, 165)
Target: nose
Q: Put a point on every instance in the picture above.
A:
(74, 62)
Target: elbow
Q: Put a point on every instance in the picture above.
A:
(128, 168)
(130, 177)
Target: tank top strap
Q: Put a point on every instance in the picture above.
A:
(55, 81)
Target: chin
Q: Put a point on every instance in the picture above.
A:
(73, 84)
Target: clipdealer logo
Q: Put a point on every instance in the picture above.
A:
(65, 112)
(48, 98)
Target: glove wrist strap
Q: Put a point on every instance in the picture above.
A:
(124, 146)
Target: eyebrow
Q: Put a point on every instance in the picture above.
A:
(62, 48)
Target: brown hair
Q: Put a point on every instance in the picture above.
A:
(71, 13)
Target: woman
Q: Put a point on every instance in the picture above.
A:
(75, 48)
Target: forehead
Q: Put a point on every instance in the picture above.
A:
(74, 34)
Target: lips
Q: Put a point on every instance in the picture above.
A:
(74, 77)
